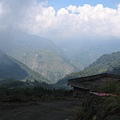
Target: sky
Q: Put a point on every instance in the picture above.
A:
(57, 4)
(62, 19)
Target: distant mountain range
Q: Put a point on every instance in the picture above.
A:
(53, 61)
(87, 51)
(39, 54)
(11, 68)
(108, 63)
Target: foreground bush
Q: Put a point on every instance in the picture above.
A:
(100, 108)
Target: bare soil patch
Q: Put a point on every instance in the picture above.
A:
(52, 110)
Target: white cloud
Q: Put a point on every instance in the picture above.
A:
(0, 9)
(62, 11)
(72, 21)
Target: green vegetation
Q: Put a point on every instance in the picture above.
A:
(48, 63)
(39, 54)
(31, 74)
(19, 94)
(11, 68)
(101, 108)
(105, 63)
(16, 91)
(108, 63)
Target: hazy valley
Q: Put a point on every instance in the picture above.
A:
(39, 54)
(53, 61)
(59, 60)
(107, 63)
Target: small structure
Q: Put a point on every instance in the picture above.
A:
(87, 84)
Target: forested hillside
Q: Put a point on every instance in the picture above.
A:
(11, 68)
(54, 61)
(39, 54)
(108, 63)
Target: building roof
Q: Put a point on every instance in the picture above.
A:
(88, 81)
(94, 77)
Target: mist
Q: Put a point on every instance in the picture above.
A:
(69, 23)
(82, 33)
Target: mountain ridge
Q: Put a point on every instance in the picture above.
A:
(12, 68)
(107, 63)
(39, 54)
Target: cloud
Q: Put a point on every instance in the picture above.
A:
(70, 22)
(0, 9)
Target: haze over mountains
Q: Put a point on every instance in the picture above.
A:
(107, 63)
(13, 69)
(44, 43)
(50, 60)
(39, 54)
(74, 35)
(86, 51)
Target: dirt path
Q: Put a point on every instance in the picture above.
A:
(55, 110)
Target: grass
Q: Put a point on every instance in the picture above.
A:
(100, 108)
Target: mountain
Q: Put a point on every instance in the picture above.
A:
(11, 68)
(39, 54)
(107, 63)
(87, 51)
(54, 61)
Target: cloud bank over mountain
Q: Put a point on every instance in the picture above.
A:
(40, 19)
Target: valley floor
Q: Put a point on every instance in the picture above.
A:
(52, 110)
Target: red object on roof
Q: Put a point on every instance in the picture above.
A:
(102, 94)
